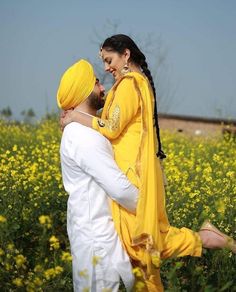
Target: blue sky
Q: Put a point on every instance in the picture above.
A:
(40, 39)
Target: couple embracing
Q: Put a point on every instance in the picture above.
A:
(111, 169)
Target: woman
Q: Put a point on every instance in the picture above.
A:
(129, 121)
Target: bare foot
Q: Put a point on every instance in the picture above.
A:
(213, 238)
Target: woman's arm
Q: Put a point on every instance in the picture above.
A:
(75, 116)
(122, 110)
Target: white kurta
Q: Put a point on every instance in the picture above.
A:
(89, 173)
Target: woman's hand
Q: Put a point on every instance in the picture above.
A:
(71, 115)
(66, 117)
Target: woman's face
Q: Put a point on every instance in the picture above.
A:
(114, 62)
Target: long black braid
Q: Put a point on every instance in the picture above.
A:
(147, 72)
(120, 42)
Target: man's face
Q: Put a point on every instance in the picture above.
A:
(96, 100)
(99, 88)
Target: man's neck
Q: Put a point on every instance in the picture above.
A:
(86, 109)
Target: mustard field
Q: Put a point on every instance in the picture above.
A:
(34, 249)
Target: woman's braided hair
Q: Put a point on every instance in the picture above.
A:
(118, 43)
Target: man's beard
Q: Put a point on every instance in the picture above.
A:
(96, 102)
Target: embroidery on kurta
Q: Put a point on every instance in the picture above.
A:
(113, 123)
(113, 90)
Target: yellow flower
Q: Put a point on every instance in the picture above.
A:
(38, 268)
(66, 256)
(38, 281)
(137, 272)
(139, 286)
(8, 266)
(2, 219)
(187, 189)
(31, 288)
(45, 220)
(20, 260)
(216, 157)
(49, 273)
(58, 270)
(230, 174)
(220, 206)
(54, 242)
(14, 148)
(18, 282)
(1, 252)
(53, 272)
(13, 172)
(192, 195)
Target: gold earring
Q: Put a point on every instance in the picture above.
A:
(125, 69)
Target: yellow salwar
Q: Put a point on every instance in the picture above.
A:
(127, 121)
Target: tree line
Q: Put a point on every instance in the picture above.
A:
(28, 116)
(7, 114)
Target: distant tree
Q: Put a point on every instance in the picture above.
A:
(28, 115)
(31, 113)
(6, 113)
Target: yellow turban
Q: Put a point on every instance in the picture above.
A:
(76, 85)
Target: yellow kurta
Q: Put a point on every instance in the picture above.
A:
(127, 121)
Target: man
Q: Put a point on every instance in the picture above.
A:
(90, 174)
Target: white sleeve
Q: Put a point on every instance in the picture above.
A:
(96, 159)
